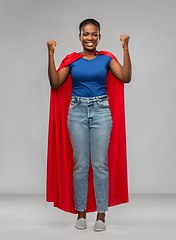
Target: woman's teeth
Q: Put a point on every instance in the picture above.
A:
(90, 44)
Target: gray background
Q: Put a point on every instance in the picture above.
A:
(26, 26)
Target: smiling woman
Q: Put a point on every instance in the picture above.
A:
(89, 36)
(87, 122)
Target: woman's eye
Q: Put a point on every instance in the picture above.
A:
(94, 35)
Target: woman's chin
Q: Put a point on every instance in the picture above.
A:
(90, 49)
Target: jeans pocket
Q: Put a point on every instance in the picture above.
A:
(73, 104)
(104, 103)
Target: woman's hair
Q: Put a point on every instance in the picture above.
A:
(89, 20)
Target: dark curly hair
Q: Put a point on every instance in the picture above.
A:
(89, 20)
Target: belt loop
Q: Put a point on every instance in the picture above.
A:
(78, 100)
(97, 100)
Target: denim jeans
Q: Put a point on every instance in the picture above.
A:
(89, 124)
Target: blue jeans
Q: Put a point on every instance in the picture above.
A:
(89, 124)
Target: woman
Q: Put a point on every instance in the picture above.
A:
(89, 119)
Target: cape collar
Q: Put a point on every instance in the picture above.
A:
(74, 56)
(98, 53)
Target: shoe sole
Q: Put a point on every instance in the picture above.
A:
(81, 228)
(99, 230)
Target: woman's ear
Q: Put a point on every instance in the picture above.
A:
(99, 37)
(80, 37)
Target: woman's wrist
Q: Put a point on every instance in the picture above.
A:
(125, 48)
(50, 53)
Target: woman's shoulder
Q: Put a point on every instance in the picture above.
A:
(69, 58)
(107, 53)
(72, 55)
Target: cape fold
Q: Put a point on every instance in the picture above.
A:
(59, 183)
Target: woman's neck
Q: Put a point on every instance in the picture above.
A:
(89, 53)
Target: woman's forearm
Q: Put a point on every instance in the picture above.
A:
(126, 70)
(52, 74)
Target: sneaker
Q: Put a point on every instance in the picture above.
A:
(81, 223)
(99, 226)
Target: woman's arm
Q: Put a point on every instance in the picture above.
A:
(56, 78)
(122, 73)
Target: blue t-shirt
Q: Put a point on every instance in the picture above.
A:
(89, 76)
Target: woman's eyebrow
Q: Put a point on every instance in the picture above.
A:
(88, 32)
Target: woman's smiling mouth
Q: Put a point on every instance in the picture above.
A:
(90, 44)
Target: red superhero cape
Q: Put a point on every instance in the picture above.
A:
(59, 185)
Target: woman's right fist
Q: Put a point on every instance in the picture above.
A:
(51, 46)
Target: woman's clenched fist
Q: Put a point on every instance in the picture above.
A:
(51, 46)
(124, 39)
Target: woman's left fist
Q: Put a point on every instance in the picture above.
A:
(124, 39)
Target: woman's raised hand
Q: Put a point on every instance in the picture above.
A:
(124, 39)
(51, 46)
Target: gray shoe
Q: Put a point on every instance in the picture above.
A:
(99, 226)
(81, 223)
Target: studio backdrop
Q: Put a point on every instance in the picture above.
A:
(26, 26)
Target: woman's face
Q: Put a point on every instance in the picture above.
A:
(89, 37)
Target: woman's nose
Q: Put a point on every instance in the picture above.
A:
(90, 36)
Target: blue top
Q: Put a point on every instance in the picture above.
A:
(89, 76)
